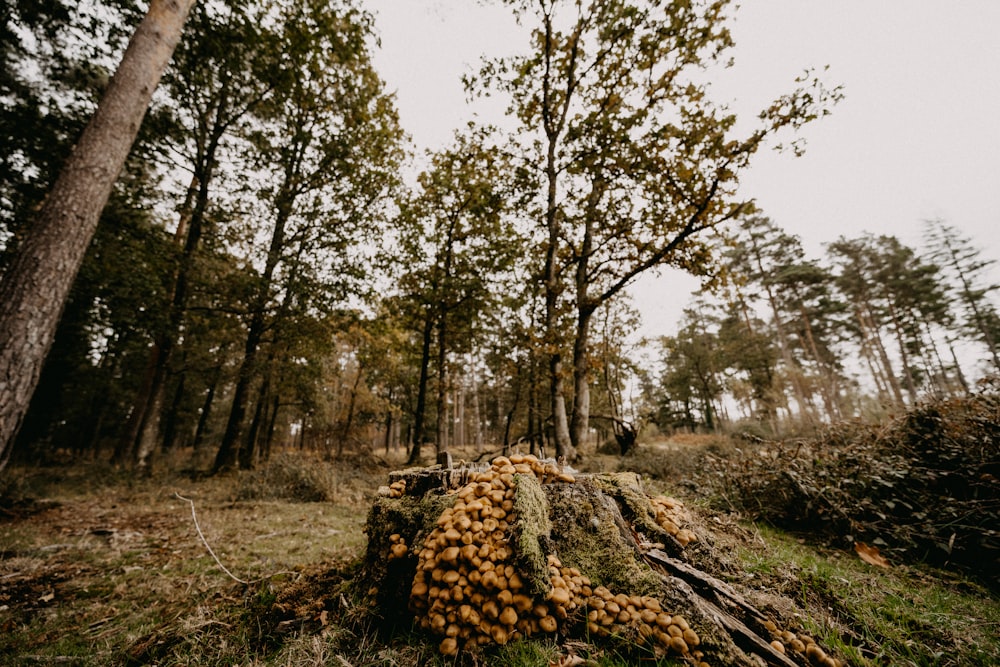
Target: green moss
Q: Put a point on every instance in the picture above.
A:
(589, 533)
(626, 488)
(531, 534)
(413, 518)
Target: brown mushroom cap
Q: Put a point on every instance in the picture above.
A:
(508, 616)
(448, 646)
(548, 623)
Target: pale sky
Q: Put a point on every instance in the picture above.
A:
(917, 135)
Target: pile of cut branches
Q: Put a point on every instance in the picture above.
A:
(925, 486)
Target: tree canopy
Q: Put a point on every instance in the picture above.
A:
(276, 267)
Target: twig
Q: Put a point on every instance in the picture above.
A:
(194, 517)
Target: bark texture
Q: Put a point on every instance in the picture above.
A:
(37, 283)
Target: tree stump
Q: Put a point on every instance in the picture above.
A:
(483, 554)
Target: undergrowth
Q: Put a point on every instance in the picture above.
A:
(290, 477)
(900, 616)
(922, 487)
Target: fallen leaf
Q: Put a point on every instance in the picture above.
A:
(870, 554)
(48, 597)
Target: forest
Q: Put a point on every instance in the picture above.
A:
(278, 280)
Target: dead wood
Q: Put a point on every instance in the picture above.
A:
(594, 534)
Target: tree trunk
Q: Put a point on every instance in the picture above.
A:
(206, 410)
(883, 357)
(148, 404)
(248, 450)
(228, 447)
(580, 421)
(419, 413)
(228, 452)
(554, 120)
(272, 422)
(477, 416)
(345, 432)
(904, 357)
(38, 280)
(562, 531)
(441, 435)
(172, 417)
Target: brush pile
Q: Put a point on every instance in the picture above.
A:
(924, 487)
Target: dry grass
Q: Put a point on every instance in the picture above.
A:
(101, 569)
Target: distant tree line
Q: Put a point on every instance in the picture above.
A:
(263, 276)
(792, 341)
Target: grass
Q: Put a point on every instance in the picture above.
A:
(105, 569)
(904, 615)
(108, 570)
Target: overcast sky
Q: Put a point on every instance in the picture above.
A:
(917, 135)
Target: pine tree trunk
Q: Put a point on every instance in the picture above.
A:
(883, 356)
(37, 282)
(897, 328)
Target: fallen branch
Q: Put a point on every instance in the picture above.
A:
(201, 535)
(194, 517)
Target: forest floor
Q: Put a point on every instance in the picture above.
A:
(99, 568)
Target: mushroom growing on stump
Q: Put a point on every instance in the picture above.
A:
(482, 555)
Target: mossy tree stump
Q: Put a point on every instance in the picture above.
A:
(478, 555)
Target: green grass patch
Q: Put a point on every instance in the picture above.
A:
(880, 616)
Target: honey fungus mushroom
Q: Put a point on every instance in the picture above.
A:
(671, 516)
(467, 588)
(526, 548)
(465, 585)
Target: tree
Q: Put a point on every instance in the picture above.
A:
(215, 81)
(963, 264)
(55, 61)
(691, 382)
(116, 303)
(748, 345)
(634, 164)
(761, 249)
(36, 284)
(458, 243)
(892, 294)
(325, 150)
(805, 296)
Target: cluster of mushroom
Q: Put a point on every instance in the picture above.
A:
(465, 587)
(643, 618)
(397, 489)
(670, 516)
(785, 640)
(397, 546)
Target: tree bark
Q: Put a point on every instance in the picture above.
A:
(38, 281)
(580, 420)
(421, 409)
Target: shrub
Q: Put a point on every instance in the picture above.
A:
(290, 477)
(925, 486)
